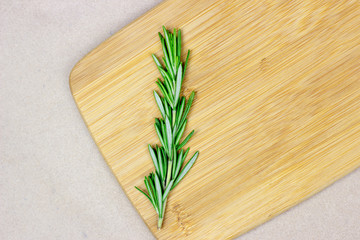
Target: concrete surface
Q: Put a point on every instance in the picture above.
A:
(54, 184)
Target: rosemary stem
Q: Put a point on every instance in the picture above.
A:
(160, 220)
(168, 175)
(173, 117)
(161, 215)
(169, 157)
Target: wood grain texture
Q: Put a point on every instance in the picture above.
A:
(276, 115)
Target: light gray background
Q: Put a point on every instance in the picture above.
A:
(54, 183)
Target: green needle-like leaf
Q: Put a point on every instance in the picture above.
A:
(150, 188)
(167, 40)
(160, 161)
(169, 68)
(174, 47)
(153, 157)
(143, 193)
(186, 168)
(179, 44)
(180, 133)
(185, 155)
(161, 37)
(165, 51)
(163, 131)
(186, 62)
(188, 106)
(168, 81)
(166, 106)
(150, 181)
(159, 103)
(157, 122)
(169, 135)
(158, 64)
(179, 111)
(178, 164)
(169, 95)
(178, 85)
(164, 91)
(185, 140)
(163, 151)
(167, 190)
(159, 135)
(158, 192)
(175, 160)
(151, 200)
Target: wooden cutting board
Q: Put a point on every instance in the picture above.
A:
(276, 115)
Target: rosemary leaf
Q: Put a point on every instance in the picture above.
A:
(180, 133)
(186, 169)
(167, 190)
(158, 64)
(179, 44)
(159, 135)
(185, 155)
(169, 135)
(186, 62)
(168, 45)
(143, 193)
(185, 140)
(178, 164)
(161, 163)
(168, 66)
(178, 85)
(175, 159)
(159, 103)
(179, 111)
(188, 106)
(153, 156)
(158, 192)
(151, 191)
(174, 41)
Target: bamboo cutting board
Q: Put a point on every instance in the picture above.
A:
(276, 115)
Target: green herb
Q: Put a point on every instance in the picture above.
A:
(169, 157)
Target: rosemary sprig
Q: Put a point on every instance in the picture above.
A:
(169, 157)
